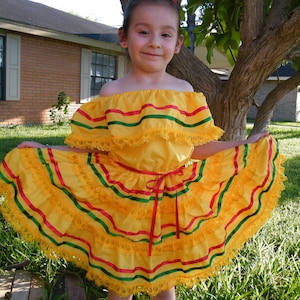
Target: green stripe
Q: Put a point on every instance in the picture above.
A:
(4, 178)
(116, 191)
(86, 126)
(34, 220)
(72, 198)
(233, 232)
(140, 121)
(246, 152)
(103, 269)
(160, 117)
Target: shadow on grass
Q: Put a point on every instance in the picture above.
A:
(292, 191)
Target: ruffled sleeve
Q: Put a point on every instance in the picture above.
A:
(138, 117)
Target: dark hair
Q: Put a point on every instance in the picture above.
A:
(132, 4)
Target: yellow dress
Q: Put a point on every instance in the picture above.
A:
(144, 217)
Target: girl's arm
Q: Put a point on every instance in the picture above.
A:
(31, 144)
(206, 150)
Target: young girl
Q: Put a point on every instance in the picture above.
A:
(144, 197)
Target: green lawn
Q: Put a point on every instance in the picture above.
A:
(266, 268)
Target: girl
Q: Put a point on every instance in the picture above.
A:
(146, 198)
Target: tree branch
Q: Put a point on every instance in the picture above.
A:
(265, 111)
(279, 11)
(252, 20)
(268, 51)
(196, 72)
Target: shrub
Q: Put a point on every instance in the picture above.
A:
(59, 111)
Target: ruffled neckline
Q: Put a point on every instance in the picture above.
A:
(136, 117)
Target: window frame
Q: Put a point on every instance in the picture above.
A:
(12, 67)
(2, 69)
(86, 73)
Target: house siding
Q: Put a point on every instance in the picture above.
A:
(286, 110)
(48, 67)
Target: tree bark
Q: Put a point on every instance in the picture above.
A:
(252, 26)
(255, 63)
(265, 111)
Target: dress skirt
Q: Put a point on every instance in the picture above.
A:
(135, 229)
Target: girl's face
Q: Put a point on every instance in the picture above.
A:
(152, 37)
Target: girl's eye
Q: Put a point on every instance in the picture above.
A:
(143, 32)
(166, 35)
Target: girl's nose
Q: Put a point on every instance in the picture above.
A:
(155, 41)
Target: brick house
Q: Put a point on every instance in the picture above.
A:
(44, 51)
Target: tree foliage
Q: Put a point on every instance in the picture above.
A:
(257, 36)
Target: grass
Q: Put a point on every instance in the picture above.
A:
(267, 267)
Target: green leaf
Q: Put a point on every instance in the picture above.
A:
(200, 38)
(222, 40)
(210, 40)
(209, 54)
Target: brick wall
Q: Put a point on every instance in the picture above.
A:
(48, 67)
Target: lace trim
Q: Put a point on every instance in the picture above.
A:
(113, 142)
(20, 224)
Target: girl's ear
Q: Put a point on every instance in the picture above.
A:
(178, 44)
(122, 37)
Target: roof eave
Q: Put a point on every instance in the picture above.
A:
(73, 38)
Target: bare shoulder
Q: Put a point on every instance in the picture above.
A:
(185, 86)
(110, 88)
(181, 85)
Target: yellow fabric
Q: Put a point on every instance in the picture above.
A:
(134, 107)
(142, 229)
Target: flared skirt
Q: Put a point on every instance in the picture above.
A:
(134, 230)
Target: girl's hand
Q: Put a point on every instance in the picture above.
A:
(254, 138)
(31, 144)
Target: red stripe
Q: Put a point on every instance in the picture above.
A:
(142, 192)
(209, 213)
(87, 116)
(136, 268)
(235, 162)
(56, 167)
(270, 153)
(56, 232)
(137, 112)
(110, 218)
(27, 201)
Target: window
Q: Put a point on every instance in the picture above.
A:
(96, 69)
(103, 69)
(2, 55)
(12, 66)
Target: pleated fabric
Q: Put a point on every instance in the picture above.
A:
(174, 221)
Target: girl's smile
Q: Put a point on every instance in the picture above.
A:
(151, 45)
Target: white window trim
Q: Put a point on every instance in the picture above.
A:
(85, 81)
(13, 67)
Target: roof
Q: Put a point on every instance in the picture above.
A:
(41, 16)
(286, 70)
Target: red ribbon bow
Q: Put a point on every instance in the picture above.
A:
(154, 185)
